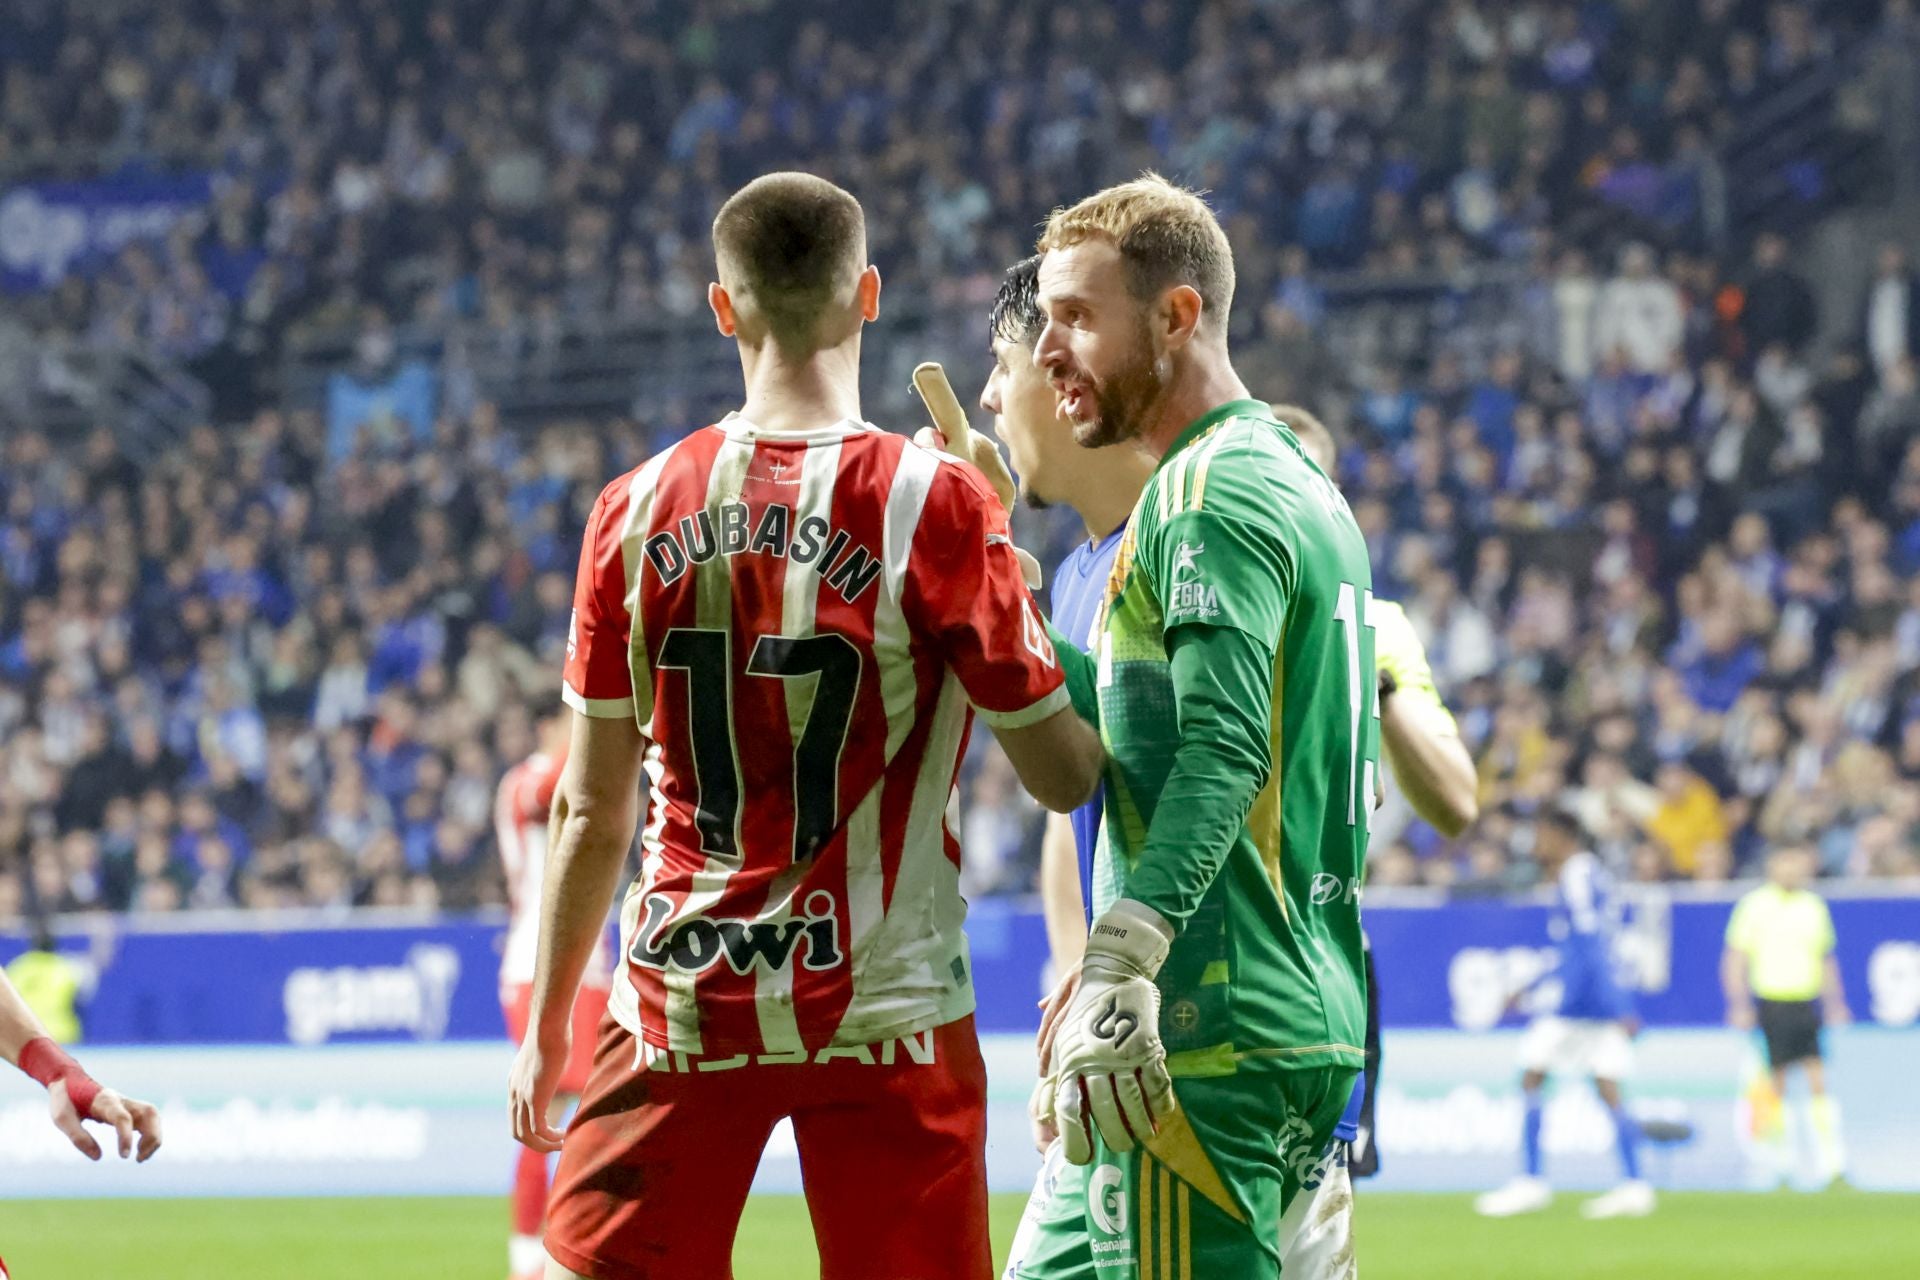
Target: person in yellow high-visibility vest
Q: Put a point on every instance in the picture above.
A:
(52, 985)
(1780, 975)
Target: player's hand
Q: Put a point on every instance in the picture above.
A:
(985, 455)
(1046, 1129)
(130, 1118)
(1111, 1067)
(1740, 1017)
(982, 452)
(531, 1085)
(1051, 1010)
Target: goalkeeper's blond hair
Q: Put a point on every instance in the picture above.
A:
(1166, 236)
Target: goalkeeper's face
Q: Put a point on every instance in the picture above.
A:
(1027, 419)
(1097, 348)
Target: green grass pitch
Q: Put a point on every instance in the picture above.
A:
(1785, 1235)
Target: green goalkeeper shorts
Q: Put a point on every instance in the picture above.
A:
(1204, 1202)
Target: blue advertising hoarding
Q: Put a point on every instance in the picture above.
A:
(50, 230)
(309, 985)
(1455, 965)
(398, 978)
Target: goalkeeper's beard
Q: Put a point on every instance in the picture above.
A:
(1124, 401)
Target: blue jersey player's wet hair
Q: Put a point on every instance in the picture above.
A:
(1016, 315)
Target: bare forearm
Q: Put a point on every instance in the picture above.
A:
(1733, 979)
(17, 1023)
(584, 859)
(1834, 993)
(1057, 760)
(1430, 764)
(1060, 894)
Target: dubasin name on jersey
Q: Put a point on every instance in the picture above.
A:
(813, 541)
(695, 944)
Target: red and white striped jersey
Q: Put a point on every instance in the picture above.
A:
(802, 625)
(520, 809)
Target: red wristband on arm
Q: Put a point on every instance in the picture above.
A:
(46, 1062)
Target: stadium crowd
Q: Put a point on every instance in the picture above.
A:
(1664, 551)
(527, 160)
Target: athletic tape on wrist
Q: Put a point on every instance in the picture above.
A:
(46, 1063)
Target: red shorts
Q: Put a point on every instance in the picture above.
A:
(659, 1159)
(589, 1007)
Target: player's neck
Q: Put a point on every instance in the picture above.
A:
(1112, 479)
(1202, 382)
(804, 394)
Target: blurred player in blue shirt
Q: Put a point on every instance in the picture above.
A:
(1591, 1028)
(1101, 485)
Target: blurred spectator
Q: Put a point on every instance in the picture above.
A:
(1687, 819)
(1890, 422)
(994, 829)
(1575, 300)
(1661, 562)
(1779, 307)
(1639, 319)
(1890, 328)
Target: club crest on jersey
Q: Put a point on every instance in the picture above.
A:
(697, 943)
(731, 529)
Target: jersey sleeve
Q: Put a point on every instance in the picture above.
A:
(1738, 925)
(965, 595)
(1398, 651)
(1082, 671)
(1224, 576)
(1219, 568)
(599, 677)
(1222, 684)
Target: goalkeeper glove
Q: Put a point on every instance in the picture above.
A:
(1040, 1114)
(1108, 1058)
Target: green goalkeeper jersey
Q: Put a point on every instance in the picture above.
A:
(1233, 682)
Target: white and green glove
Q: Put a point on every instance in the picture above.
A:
(1111, 1068)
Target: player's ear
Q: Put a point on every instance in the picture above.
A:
(1181, 309)
(722, 304)
(869, 294)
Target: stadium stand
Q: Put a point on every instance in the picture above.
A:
(295, 462)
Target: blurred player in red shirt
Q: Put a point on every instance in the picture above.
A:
(520, 810)
(786, 621)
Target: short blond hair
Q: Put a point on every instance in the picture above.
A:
(1166, 236)
(1311, 432)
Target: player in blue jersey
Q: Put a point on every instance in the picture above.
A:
(1101, 486)
(1590, 1032)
